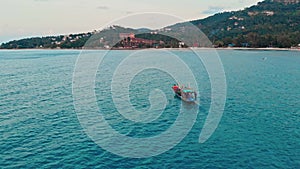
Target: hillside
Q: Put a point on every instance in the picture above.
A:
(271, 23)
(106, 36)
(267, 24)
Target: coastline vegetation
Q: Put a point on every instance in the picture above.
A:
(269, 24)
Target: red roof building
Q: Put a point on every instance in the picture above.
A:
(129, 40)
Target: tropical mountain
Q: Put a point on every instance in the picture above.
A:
(271, 23)
(69, 41)
(267, 24)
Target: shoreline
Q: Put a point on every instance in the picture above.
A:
(197, 48)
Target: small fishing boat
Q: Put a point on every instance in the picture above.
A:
(186, 94)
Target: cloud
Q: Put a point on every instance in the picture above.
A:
(102, 7)
(213, 10)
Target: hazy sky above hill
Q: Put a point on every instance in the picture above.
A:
(27, 18)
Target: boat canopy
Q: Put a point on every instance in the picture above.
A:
(188, 91)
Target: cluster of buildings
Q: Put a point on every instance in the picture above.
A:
(288, 1)
(128, 40)
(71, 38)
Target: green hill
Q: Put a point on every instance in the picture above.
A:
(74, 41)
(267, 24)
(271, 23)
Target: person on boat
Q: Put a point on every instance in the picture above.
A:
(176, 89)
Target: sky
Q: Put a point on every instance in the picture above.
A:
(28, 18)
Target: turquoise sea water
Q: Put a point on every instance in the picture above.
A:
(260, 127)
